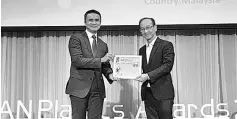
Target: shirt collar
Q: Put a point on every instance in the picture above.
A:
(89, 34)
(152, 42)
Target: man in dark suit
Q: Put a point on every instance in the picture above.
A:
(89, 60)
(157, 90)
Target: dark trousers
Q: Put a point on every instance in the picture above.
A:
(92, 104)
(157, 109)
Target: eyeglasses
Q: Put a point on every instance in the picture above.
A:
(148, 28)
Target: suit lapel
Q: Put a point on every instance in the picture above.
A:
(87, 42)
(144, 55)
(154, 48)
(144, 58)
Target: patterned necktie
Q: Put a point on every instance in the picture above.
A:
(94, 46)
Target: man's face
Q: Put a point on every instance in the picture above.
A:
(147, 29)
(93, 22)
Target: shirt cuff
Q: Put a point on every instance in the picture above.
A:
(148, 78)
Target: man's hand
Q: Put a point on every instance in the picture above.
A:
(142, 78)
(112, 77)
(107, 57)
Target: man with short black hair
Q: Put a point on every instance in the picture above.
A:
(89, 60)
(157, 90)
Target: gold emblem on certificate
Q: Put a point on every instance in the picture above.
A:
(127, 66)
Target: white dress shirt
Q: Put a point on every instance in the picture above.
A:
(149, 48)
(148, 53)
(89, 34)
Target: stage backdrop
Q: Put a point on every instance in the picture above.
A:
(117, 12)
(35, 66)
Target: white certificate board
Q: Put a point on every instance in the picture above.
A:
(127, 66)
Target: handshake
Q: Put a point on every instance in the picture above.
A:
(107, 57)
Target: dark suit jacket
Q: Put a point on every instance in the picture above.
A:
(158, 69)
(85, 68)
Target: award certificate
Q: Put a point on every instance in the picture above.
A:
(127, 66)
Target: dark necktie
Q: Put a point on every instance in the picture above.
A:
(94, 46)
